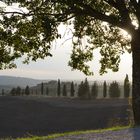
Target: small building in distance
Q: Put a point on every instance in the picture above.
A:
(50, 88)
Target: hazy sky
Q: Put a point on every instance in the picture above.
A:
(57, 66)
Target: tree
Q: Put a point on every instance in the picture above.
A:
(80, 90)
(126, 86)
(86, 89)
(72, 89)
(64, 93)
(18, 91)
(27, 90)
(94, 91)
(114, 90)
(31, 32)
(104, 89)
(42, 88)
(83, 90)
(58, 88)
(13, 92)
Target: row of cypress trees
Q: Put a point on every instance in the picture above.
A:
(84, 90)
(64, 89)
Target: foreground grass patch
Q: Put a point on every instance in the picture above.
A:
(52, 136)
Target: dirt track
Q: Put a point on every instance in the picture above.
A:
(20, 116)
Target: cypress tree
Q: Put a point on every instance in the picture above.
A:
(94, 90)
(58, 88)
(72, 89)
(64, 93)
(18, 91)
(42, 88)
(80, 90)
(13, 92)
(86, 89)
(27, 90)
(104, 89)
(126, 87)
(114, 90)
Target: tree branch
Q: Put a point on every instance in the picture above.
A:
(89, 11)
(112, 3)
(124, 12)
(18, 13)
(31, 14)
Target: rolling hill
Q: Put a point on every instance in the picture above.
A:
(18, 81)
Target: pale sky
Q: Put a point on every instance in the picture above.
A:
(57, 66)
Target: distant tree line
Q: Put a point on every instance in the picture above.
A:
(113, 89)
(86, 91)
(18, 91)
(64, 89)
(83, 91)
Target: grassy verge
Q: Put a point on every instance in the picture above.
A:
(52, 136)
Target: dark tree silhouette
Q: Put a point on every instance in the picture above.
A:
(13, 92)
(27, 90)
(94, 91)
(18, 91)
(72, 89)
(126, 87)
(114, 90)
(64, 93)
(84, 90)
(80, 90)
(58, 88)
(42, 88)
(104, 89)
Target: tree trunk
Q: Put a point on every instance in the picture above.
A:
(136, 77)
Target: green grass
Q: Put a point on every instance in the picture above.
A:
(52, 136)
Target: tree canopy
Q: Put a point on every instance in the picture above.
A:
(30, 29)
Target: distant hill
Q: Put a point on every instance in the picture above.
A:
(18, 81)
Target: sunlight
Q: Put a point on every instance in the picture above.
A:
(134, 22)
(125, 34)
(2, 4)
